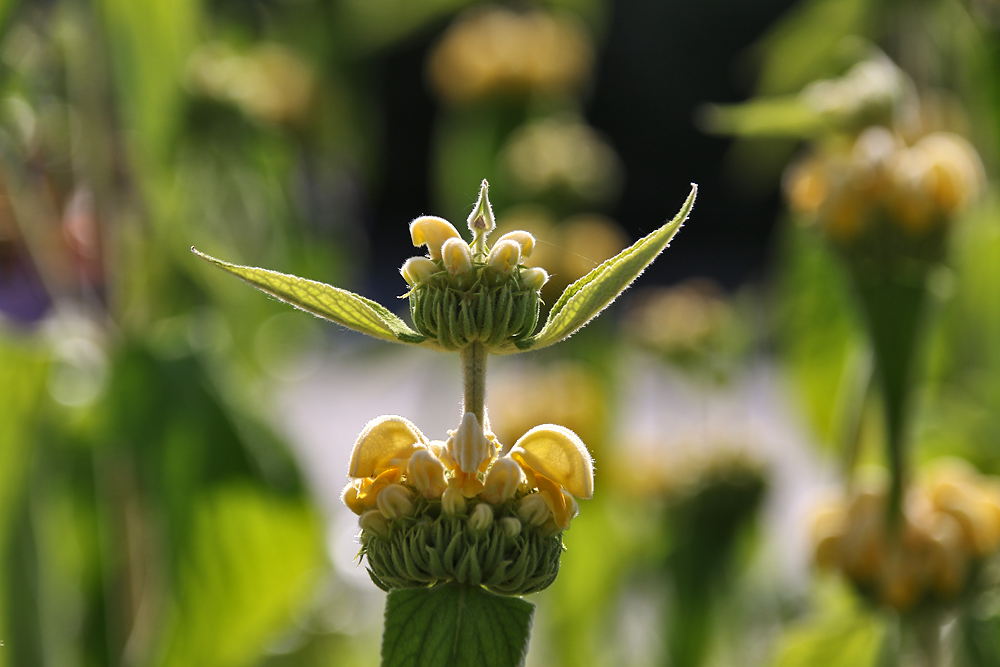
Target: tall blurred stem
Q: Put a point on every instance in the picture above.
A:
(893, 308)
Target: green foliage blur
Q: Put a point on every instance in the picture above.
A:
(154, 509)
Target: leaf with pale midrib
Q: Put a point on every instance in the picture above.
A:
(453, 625)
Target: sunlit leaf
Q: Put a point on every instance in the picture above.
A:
(587, 297)
(451, 625)
(338, 305)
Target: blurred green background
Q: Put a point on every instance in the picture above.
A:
(173, 443)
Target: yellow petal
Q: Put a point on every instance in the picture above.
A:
(384, 440)
(560, 504)
(426, 472)
(456, 256)
(558, 454)
(502, 481)
(504, 256)
(432, 232)
(522, 238)
(417, 270)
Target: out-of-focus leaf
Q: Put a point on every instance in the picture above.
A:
(818, 333)
(23, 366)
(452, 625)
(247, 570)
(345, 308)
(839, 641)
(149, 44)
(587, 297)
(802, 47)
(786, 116)
(373, 24)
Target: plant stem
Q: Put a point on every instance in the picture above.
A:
(474, 358)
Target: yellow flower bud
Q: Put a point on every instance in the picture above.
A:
(457, 257)
(417, 270)
(349, 496)
(426, 472)
(534, 278)
(502, 481)
(373, 521)
(395, 501)
(948, 560)
(481, 517)
(453, 500)
(504, 256)
(432, 232)
(956, 169)
(468, 447)
(524, 239)
(510, 526)
(533, 510)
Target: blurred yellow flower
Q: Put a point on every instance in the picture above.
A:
(563, 154)
(498, 51)
(849, 187)
(950, 525)
(270, 82)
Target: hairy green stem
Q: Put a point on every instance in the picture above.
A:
(474, 380)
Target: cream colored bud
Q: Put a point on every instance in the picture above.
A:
(432, 232)
(481, 219)
(504, 256)
(510, 526)
(534, 278)
(373, 521)
(522, 238)
(395, 501)
(533, 510)
(426, 472)
(457, 257)
(453, 500)
(481, 517)
(417, 270)
(468, 446)
(502, 480)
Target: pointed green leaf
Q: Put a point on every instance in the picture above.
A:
(345, 308)
(587, 297)
(452, 625)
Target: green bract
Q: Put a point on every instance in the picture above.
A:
(456, 306)
(432, 546)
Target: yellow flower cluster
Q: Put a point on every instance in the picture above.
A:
(461, 294)
(539, 479)
(949, 526)
(849, 186)
(495, 50)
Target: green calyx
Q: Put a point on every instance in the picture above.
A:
(494, 310)
(432, 546)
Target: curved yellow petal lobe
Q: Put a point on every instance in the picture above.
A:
(522, 238)
(386, 442)
(557, 453)
(432, 232)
